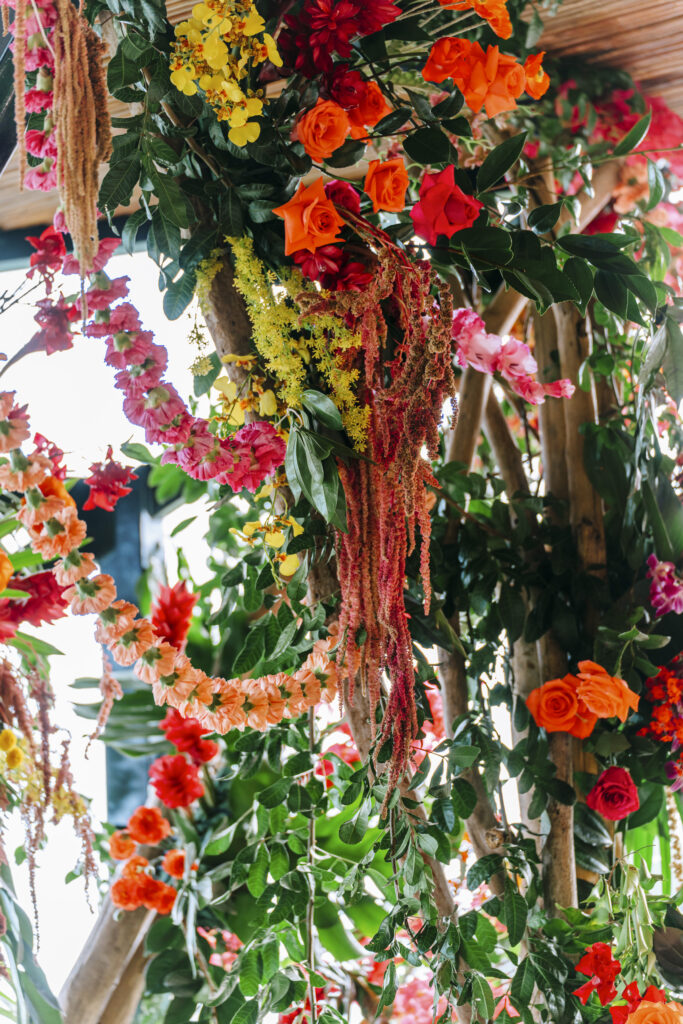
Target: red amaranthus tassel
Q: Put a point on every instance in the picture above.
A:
(407, 378)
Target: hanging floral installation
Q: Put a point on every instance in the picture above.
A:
(436, 443)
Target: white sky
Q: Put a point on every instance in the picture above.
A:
(73, 401)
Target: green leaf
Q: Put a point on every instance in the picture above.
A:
(258, 873)
(323, 408)
(483, 869)
(350, 153)
(581, 276)
(464, 798)
(171, 199)
(657, 184)
(672, 364)
(389, 987)
(612, 292)
(137, 451)
(499, 161)
(633, 138)
(118, 183)
(355, 830)
(482, 996)
(122, 71)
(131, 227)
(392, 122)
(165, 234)
(523, 983)
(544, 218)
(428, 146)
(179, 295)
(250, 972)
(515, 910)
(247, 1014)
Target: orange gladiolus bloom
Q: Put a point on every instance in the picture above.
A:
(557, 707)
(148, 825)
(603, 694)
(386, 184)
(537, 80)
(493, 11)
(121, 846)
(174, 863)
(311, 219)
(323, 129)
(125, 893)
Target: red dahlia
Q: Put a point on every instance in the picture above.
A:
(175, 781)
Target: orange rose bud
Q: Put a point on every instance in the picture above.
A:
(174, 863)
(386, 184)
(121, 846)
(605, 695)
(311, 219)
(448, 57)
(323, 129)
(537, 80)
(6, 570)
(556, 707)
(371, 109)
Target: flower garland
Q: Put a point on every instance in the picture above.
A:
(56, 531)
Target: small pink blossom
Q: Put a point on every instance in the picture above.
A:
(159, 406)
(559, 388)
(475, 347)
(516, 360)
(666, 588)
(123, 317)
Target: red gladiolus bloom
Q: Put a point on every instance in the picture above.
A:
(175, 781)
(54, 319)
(107, 483)
(172, 613)
(598, 963)
(49, 255)
(346, 88)
(333, 24)
(186, 735)
(44, 601)
(320, 265)
(375, 14)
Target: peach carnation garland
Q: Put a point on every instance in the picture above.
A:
(55, 530)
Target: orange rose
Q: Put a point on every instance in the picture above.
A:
(386, 184)
(6, 570)
(124, 894)
(148, 825)
(448, 58)
(371, 109)
(537, 80)
(323, 129)
(493, 11)
(121, 846)
(603, 694)
(556, 707)
(311, 219)
(656, 1013)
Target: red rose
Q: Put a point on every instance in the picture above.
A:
(443, 208)
(344, 195)
(614, 795)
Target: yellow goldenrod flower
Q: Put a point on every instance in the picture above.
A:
(7, 740)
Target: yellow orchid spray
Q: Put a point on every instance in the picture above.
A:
(214, 51)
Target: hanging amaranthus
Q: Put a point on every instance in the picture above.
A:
(407, 377)
(58, 73)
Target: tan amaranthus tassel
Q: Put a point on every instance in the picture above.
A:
(81, 124)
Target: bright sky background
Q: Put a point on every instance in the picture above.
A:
(73, 401)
